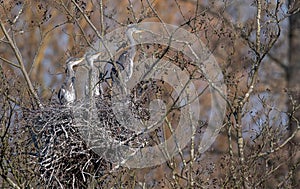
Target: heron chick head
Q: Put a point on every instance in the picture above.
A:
(91, 57)
(72, 63)
(133, 29)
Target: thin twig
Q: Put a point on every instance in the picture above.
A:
(21, 64)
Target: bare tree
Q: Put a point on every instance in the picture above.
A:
(44, 144)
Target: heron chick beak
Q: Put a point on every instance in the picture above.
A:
(138, 31)
(79, 62)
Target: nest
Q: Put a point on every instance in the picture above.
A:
(71, 144)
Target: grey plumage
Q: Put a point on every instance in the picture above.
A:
(67, 93)
(93, 87)
(125, 60)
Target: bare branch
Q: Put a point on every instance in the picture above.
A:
(21, 64)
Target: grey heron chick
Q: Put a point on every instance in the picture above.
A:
(67, 93)
(125, 60)
(93, 86)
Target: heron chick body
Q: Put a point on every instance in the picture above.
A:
(67, 93)
(125, 60)
(93, 86)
